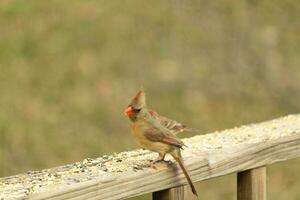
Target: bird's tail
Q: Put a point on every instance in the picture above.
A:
(185, 172)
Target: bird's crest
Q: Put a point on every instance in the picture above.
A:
(139, 100)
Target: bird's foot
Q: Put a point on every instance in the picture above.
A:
(161, 164)
(157, 161)
(160, 159)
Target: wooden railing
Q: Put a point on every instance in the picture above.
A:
(245, 150)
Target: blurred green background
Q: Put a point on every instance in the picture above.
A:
(69, 68)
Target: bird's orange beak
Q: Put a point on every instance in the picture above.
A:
(128, 111)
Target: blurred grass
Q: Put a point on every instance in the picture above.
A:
(68, 69)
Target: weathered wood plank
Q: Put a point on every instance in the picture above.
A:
(176, 193)
(251, 184)
(128, 174)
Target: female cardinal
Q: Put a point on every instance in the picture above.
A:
(153, 132)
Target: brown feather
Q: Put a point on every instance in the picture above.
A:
(157, 135)
(185, 172)
(172, 125)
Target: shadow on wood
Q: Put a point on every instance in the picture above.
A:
(251, 184)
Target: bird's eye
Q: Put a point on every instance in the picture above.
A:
(136, 110)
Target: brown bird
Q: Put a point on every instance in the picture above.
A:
(156, 133)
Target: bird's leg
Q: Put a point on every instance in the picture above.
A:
(161, 157)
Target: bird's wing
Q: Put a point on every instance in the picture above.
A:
(164, 136)
(172, 125)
